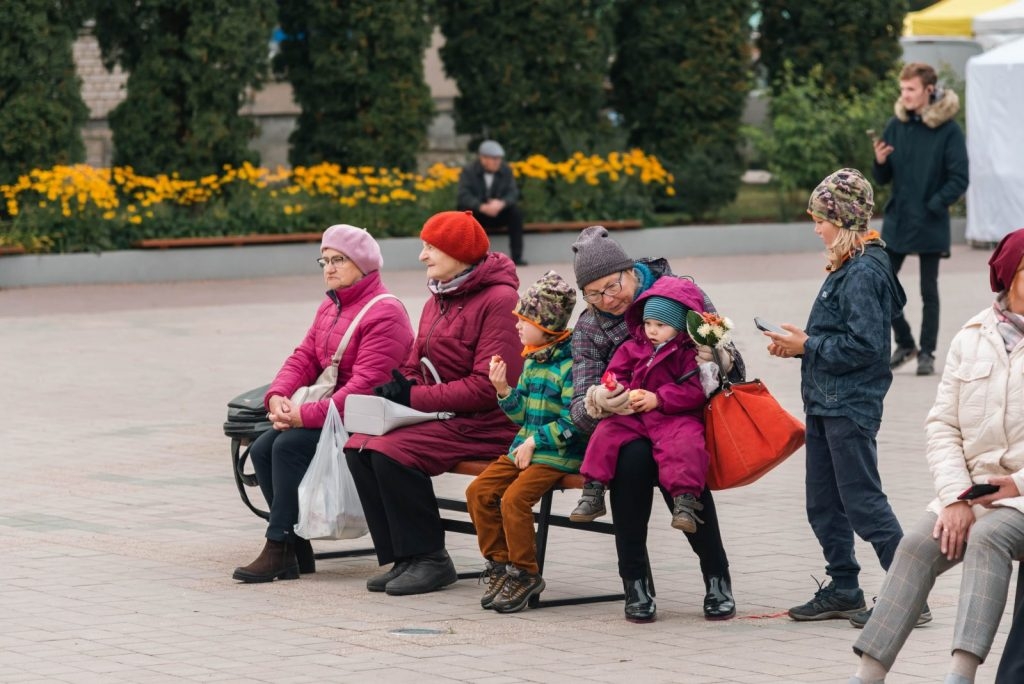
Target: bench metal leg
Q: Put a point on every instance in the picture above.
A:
(243, 479)
(351, 553)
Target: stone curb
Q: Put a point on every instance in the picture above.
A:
(232, 263)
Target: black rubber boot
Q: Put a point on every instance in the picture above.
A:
(718, 601)
(304, 555)
(639, 600)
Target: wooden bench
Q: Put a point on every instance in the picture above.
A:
(570, 226)
(228, 240)
(544, 520)
(243, 436)
(284, 238)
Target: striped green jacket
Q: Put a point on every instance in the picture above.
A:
(540, 405)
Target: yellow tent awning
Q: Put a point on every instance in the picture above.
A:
(949, 17)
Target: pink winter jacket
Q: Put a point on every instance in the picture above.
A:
(679, 418)
(379, 344)
(459, 332)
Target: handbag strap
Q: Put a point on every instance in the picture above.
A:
(336, 359)
(429, 366)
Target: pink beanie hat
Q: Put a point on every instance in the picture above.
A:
(355, 243)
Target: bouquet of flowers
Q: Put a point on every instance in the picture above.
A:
(707, 328)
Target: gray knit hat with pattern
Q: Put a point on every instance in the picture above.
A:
(549, 302)
(596, 255)
(844, 198)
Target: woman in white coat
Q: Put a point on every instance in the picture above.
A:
(975, 436)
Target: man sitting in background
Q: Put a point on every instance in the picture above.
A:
(488, 189)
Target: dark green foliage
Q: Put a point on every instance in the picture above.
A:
(855, 43)
(41, 108)
(817, 129)
(530, 72)
(680, 81)
(189, 63)
(357, 71)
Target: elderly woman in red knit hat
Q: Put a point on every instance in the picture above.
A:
(351, 261)
(463, 325)
(976, 456)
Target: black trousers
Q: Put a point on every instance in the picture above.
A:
(510, 217)
(399, 504)
(929, 296)
(1011, 665)
(632, 496)
(280, 459)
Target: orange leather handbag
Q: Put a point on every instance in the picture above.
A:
(747, 433)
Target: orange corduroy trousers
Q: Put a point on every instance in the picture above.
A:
(500, 502)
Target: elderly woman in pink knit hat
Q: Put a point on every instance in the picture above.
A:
(351, 261)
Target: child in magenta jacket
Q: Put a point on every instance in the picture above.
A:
(658, 362)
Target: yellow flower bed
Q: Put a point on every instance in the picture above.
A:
(82, 208)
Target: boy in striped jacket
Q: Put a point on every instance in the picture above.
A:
(501, 499)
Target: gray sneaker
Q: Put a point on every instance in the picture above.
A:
(901, 355)
(493, 577)
(517, 590)
(925, 364)
(591, 504)
(830, 603)
(861, 618)
(684, 513)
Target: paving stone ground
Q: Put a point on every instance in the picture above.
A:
(121, 525)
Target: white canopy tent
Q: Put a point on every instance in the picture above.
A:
(1000, 25)
(995, 142)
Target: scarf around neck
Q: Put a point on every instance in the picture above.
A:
(1010, 325)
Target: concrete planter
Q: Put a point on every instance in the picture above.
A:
(231, 263)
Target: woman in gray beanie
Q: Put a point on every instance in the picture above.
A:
(610, 282)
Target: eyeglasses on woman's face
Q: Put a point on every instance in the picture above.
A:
(610, 291)
(335, 261)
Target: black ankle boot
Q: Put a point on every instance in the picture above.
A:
(276, 561)
(718, 601)
(304, 555)
(639, 600)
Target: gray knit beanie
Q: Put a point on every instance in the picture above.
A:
(596, 255)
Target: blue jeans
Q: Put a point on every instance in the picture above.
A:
(844, 495)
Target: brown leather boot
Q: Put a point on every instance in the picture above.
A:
(304, 554)
(276, 561)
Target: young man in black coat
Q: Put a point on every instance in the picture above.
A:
(923, 153)
(488, 189)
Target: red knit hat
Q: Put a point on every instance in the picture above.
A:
(457, 234)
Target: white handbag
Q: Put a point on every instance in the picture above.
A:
(373, 415)
(327, 381)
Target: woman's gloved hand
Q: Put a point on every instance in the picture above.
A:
(706, 355)
(601, 402)
(398, 390)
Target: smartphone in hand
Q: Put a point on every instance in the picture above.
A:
(974, 491)
(768, 327)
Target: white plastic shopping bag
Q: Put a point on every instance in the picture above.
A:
(329, 505)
